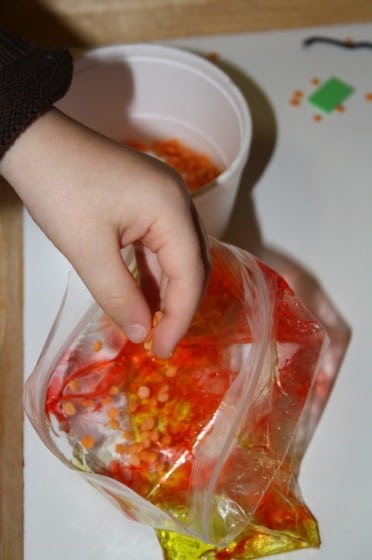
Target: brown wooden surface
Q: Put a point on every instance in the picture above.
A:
(93, 22)
(11, 373)
(82, 23)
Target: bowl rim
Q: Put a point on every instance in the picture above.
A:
(126, 51)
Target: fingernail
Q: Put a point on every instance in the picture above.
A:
(164, 355)
(135, 333)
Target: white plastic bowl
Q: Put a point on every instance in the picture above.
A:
(151, 92)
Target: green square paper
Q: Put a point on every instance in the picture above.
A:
(330, 94)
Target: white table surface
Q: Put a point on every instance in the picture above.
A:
(312, 201)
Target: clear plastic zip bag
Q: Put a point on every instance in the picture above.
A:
(204, 447)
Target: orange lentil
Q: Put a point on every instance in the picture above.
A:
(87, 402)
(340, 108)
(164, 388)
(154, 436)
(174, 429)
(152, 403)
(120, 448)
(87, 441)
(69, 408)
(317, 118)
(148, 456)
(114, 424)
(143, 392)
(114, 390)
(163, 397)
(196, 168)
(146, 442)
(147, 424)
(349, 41)
(298, 93)
(158, 315)
(97, 345)
(315, 81)
(295, 102)
(113, 412)
(133, 407)
(135, 448)
(166, 440)
(155, 321)
(368, 96)
(171, 371)
(128, 434)
(134, 461)
(213, 55)
(148, 344)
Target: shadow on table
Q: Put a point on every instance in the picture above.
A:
(244, 231)
(313, 295)
(39, 23)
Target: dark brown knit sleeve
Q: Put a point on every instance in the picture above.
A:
(31, 80)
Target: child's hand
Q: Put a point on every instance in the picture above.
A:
(93, 197)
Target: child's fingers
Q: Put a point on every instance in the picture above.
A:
(114, 288)
(184, 262)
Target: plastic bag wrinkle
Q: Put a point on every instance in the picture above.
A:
(205, 444)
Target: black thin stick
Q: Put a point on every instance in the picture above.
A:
(345, 44)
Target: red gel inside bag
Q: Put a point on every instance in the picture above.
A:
(201, 446)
